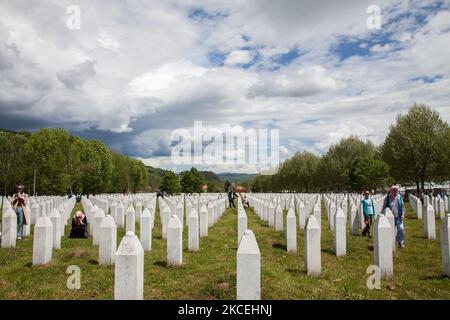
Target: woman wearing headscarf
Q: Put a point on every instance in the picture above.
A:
(79, 226)
(394, 201)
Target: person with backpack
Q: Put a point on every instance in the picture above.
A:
(368, 212)
(394, 201)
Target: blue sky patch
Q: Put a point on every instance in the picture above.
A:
(200, 14)
(286, 58)
(426, 79)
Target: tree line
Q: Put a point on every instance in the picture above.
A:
(60, 163)
(416, 150)
(189, 181)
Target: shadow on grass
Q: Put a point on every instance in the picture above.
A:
(328, 250)
(161, 264)
(279, 246)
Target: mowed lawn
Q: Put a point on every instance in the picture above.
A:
(211, 272)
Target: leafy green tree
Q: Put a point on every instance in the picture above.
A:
(191, 181)
(170, 183)
(46, 150)
(187, 182)
(227, 185)
(12, 166)
(256, 186)
(97, 164)
(367, 173)
(417, 147)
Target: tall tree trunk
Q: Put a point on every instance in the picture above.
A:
(422, 181)
(418, 188)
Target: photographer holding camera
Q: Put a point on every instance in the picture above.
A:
(20, 202)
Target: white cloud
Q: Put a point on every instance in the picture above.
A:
(238, 57)
(152, 73)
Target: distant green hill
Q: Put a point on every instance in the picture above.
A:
(237, 177)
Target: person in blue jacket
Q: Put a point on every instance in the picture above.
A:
(394, 201)
(368, 212)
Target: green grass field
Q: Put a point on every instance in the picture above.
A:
(211, 272)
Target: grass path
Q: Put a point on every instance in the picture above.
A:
(210, 273)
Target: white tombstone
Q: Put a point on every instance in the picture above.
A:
(445, 245)
(34, 213)
(174, 242)
(9, 228)
(317, 212)
(242, 224)
(390, 217)
(129, 269)
(193, 232)
(203, 221)
(419, 213)
(98, 219)
(114, 211)
(354, 221)
(248, 270)
(92, 212)
(130, 223)
(332, 212)
(279, 218)
(271, 214)
(108, 241)
(145, 233)
(301, 215)
(312, 247)
(382, 246)
(180, 212)
(55, 218)
(42, 241)
(441, 208)
(120, 215)
(26, 229)
(210, 214)
(291, 231)
(340, 243)
(138, 211)
(429, 223)
(165, 218)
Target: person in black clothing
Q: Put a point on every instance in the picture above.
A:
(231, 196)
(79, 226)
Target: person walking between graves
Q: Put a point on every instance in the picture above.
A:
(20, 202)
(231, 196)
(79, 226)
(395, 202)
(368, 212)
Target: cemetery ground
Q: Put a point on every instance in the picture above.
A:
(211, 272)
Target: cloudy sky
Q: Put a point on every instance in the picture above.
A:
(136, 70)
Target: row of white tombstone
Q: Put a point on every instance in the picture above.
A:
(129, 257)
(269, 208)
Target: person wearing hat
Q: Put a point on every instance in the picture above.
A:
(20, 202)
(368, 212)
(394, 201)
